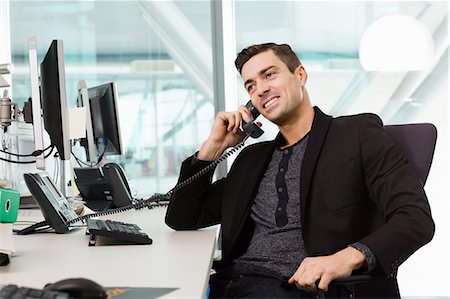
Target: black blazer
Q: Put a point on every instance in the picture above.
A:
(355, 186)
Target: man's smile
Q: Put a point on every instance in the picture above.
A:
(268, 102)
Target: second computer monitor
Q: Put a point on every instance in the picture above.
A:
(53, 97)
(105, 119)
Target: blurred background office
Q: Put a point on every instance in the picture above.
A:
(172, 62)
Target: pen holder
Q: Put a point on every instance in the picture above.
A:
(9, 205)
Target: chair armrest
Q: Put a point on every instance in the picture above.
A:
(353, 280)
(346, 286)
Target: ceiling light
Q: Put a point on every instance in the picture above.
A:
(396, 43)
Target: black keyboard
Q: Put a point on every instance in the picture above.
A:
(12, 291)
(116, 231)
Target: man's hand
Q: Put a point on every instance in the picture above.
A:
(225, 133)
(316, 273)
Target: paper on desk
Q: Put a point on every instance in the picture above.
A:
(6, 238)
(3, 183)
(77, 122)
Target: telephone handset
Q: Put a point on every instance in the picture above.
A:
(54, 206)
(250, 128)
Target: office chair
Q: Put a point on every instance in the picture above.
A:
(417, 143)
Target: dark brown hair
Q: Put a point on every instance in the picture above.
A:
(283, 52)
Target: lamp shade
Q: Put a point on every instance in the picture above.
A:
(396, 43)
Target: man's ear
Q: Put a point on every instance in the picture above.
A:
(301, 74)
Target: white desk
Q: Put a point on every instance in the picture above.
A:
(174, 260)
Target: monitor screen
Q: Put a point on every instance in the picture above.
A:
(105, 119)
(53, 97)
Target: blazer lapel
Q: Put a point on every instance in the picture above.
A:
(319, 130)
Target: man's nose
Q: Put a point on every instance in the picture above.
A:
(262, 88)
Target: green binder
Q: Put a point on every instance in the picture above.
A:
(9, 205)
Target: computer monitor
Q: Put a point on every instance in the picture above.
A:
(54, 110)
(53, 97)
(88, 142)
(104, 116)
(36, 102)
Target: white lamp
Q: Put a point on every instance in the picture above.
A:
(396, 43)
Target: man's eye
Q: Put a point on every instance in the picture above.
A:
(268, 75)
(250, 88)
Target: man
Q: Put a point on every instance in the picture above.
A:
(327, 197)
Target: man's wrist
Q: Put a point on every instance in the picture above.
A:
(358, 258)
(371, 260)
(210, 151)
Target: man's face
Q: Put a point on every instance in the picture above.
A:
(275, 91)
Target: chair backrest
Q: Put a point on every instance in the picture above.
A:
(417, 143)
